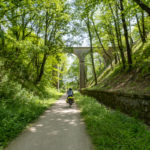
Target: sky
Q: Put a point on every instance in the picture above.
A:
(71, 59)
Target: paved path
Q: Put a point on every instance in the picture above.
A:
(59, 128)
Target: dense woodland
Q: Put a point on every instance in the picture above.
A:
(118, 34)
(31, 39)
(34, 35)
(35, 41)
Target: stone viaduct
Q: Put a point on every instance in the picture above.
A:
(81, 52)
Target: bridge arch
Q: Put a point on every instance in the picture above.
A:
(81, 53)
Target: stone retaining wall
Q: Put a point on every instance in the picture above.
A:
(132, 104)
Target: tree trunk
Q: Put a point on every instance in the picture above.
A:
(129, 53)
(46, 28)
(2, 36)
(100, 41)
(55, 76)
(143, 6)
(91, 48)
(140, 31)
(143, 28)
(23, 26)
(111, 38)
(39, 77)
(118, 35)
(130, 33)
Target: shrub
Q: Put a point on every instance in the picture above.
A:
(18, 107)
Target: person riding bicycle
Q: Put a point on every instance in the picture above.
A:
(70, 93)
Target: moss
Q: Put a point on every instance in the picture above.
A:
(125, 102)
(112, 130)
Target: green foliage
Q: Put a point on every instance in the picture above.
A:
(71, 77)
(30, 48)
(31, 36)
(112, 130)
(20, 106)
(142, 57)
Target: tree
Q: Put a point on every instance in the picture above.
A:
(141, 31)
(29, 42)
(91, 48)
(129, 53)
(100, 41)
(118, 33)
(143, 6)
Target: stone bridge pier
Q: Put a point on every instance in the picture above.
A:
(81, 52)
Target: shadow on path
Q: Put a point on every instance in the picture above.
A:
(59, 128)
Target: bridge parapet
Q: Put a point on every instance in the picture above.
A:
(81, 52)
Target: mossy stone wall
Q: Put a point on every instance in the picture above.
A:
(132, 104)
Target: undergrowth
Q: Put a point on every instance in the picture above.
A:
(130, 80)
(112, 130)
(19, 106)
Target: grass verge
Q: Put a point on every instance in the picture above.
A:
(19, 107)
(112, 130)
